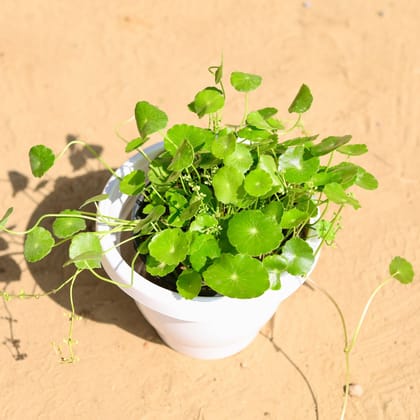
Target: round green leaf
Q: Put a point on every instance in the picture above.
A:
(254, 233)
(188, 284)
(237, 276)
(149, 118)
(240, 159)
(38, 244)
(302, 101)
(207, 101)
(133, 183)
(86, 244)
(245, 82)
(275, 266)
(41, 158)
(226, 183)
(401, 270)
(258, 183)
(67, 226)
(298, 256)
(223, 146)
(169, 246)
(158, 268)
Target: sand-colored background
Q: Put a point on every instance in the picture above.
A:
(76, 68)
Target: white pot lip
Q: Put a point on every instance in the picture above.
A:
(152, 295)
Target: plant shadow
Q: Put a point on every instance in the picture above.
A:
(94, 299)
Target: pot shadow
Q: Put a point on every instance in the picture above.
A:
(94, 299)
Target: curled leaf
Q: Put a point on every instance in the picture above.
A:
(302, 101)
(149, 118)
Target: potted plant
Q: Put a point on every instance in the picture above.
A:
(222, 223)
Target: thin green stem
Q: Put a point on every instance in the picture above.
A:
(364, 313)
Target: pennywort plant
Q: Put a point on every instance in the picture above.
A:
(224, 209)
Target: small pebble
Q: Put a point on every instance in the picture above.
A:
(306, 4)
(355, 390)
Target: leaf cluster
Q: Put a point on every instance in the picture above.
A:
(223, 207)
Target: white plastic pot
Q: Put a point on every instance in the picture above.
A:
(204, 327)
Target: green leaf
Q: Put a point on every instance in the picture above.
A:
(329, 144)
(296, 169)
(353, 149)
(254, 233)
(67, 226)
(158, 268)
(38, 244)
(95, 198)
(218, 75)
(183, 157)
(336, 193)
(401, 270)
(255, 134)
(85, 250)
(203, 246)
(149, 118)
(298, 256)
(207, 101)
(170, 246)
(5, 218)
(293, 218)
(237, 276)
(135, 144)
(199, 138)
(366, 180)
(263, 120)
(223, 145)
(275, 266)
(41, 158)
(188, 284)
(240, 159)
(226, 183)
(302, 101)
(177, 204)
(133, 183)
(154, 215)
(345, 173)
(299, 141)
(257, 183)
(203, 222)
(274, 209)
(245, 82)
